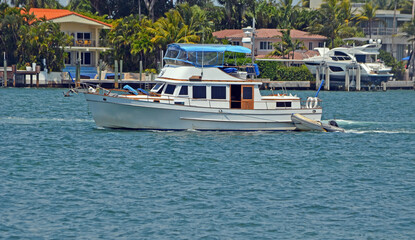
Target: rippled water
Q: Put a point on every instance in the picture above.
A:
(62, 177)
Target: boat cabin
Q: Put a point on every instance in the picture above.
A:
(196, 75)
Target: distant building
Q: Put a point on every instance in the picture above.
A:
(393, 40)
(265, 38)
(85, 32)
(383, 29)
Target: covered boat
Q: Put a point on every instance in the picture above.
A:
(196, 90)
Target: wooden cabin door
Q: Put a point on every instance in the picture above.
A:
(247, 97)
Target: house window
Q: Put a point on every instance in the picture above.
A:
(199, 91)
(310, 46)
(218, 92)
(236, 43)
(83, 36)
(183, 91)
(320, 44)
(265, 45)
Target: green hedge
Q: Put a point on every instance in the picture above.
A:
(276, 71)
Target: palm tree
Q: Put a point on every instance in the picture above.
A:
(172, 29)
(196, 19)
(368, 14)
(286, 45)
(334, 16)
(409, 32)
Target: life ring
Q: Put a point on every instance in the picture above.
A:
(307, 103)
(311, 102)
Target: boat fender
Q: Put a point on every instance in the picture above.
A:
(91, 90)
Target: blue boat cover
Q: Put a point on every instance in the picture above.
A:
(256, 69)
(127, 87)
(210, 48)
(229, 70)
(143, 91)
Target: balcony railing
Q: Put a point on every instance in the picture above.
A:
(84, 43)
(381, 31)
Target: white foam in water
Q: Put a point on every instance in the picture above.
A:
(20, 120)
(380, 131)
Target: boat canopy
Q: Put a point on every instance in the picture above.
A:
(207, 55)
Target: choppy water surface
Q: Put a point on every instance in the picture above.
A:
(62, 177)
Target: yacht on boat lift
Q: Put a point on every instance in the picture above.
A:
(339, 59)
(197, 91)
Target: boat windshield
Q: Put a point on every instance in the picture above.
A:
(207, 55)
(157, 87)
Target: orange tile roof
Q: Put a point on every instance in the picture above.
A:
(266, 33)
(50, 14)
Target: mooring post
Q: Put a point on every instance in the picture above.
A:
(5, 71)
(78, 73)
(141, 70)
(317, 77)
(116, 74)
(99, 72)
(14, 75)
(37, 76)
(347, 80)
(358, 76)
(383, 86)
(327, 78)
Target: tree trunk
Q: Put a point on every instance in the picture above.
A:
(150, 8)
(394, 29)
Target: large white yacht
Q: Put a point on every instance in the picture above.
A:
(196, 91)
(339, 59)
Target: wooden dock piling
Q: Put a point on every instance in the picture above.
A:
(5, 71)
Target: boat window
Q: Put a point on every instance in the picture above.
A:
(172, 53)
(247, 92)
(218, 92)
(157, 87)
(336, 69)
(169, 89)
(361, 58)
(183, 91)
(338, 53)
(283, 104)
(199, 91)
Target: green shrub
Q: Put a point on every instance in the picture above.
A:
(276, 71)
(398, 67)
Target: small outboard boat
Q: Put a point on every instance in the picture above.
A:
(306, 124)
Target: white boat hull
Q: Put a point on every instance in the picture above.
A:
(114, 112)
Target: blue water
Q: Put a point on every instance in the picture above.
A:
(61, 177)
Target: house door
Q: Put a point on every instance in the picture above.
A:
(85, 58)
(247, 97)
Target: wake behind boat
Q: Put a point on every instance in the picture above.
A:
(195, 90)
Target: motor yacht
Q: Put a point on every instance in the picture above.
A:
(196, 90)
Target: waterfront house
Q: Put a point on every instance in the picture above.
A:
(84, 30)
(265, 38)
